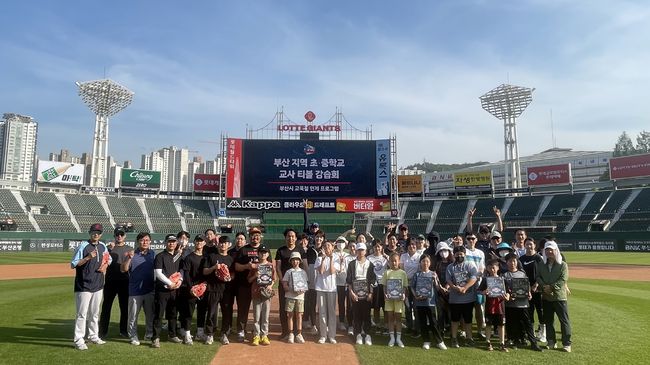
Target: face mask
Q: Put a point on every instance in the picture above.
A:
(340, 246)
(503, 253)
(444, 254)
(460, 259)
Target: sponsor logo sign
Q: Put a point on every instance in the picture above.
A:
(473, 180)
(629, 167)
(363, 205)
(11, 245)
(409, 184)
(60, 173)
(143, 179)
(206, 182)
(549, 175)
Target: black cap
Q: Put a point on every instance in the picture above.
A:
(200, 237)
(433, 237)
(170, 237)
(263, 249)
(119, 229)
(96, 227)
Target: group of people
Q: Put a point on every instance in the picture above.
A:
(325, 285)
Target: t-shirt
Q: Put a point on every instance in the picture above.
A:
(283, 254)
(460, 274)
(214, 283)
(493, 305)
(192, 268)
(477, 257)
(529, 264)
(396, 274)
(141, 278)
(410, 263)
(87, 278)
(165, 261)
(244, 256)
(380, 263)
(114, 271)
(325, 282)
(290, 294)
(342, 259)
(507, 278)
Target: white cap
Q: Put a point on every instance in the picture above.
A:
(295, 255)
(341, 239)
(360, 246)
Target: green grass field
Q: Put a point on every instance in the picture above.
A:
(15, 258)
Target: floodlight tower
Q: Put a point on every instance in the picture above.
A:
(105, 98)
(507, 102)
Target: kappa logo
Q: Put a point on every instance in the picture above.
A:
(251, 204)
(234, 204)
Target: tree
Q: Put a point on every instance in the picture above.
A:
(643, 142)
(624, 146)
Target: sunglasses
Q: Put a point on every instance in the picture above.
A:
(471, 238)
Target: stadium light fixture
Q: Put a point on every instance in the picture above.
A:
(506, 103)
(105, 98)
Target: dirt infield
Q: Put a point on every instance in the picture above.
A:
(35, 271)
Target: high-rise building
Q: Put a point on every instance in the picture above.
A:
(17, 147)
(172, 162)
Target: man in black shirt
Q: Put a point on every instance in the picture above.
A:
(218, 270)
(282, 264)
(245, 261)
(117, 284)
(168, 280)
(192, 269)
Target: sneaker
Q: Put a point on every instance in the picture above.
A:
(503, 348)
(200, 335)
(124, 335)
(209, 340)
(256, 341)
(241, 336)
(489, 346)
(290, 338)
(175, 339)
(368, 340)
(399, 343)
(314, 330)
(265, 341)
(350, 331)
(415, 335)
(148, 337)
(470, 343)
(441, 346)
(535, 347)
(359, 339)
(481, 335)
(566, 348)
(332, 341)
(454, 343)
(97, 341)
(135, 341)
(224, 339)
(551, 345)
(391, 343)
(155, 343)
(462, 334)
(426, 345)
(81, 346)
(188, 339)
(299, 338)
(321, 340)
(342, 326)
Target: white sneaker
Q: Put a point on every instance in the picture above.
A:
(332, 341)
(441, 346)
(368, 340)
(188, 339)
(224, 339)
(391, 343)
(290, 338)
(359, 339)
(299, 338)
(97, 341)
(81, 346)
(135, 341)
(321, 340)
(399, 343)
(209, 340)
(350, 331)
(567, 348)
(426, 345)
(241, 336)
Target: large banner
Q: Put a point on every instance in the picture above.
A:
(310, 169)
(475, 180)
(60, 172)
(549, 175)
(409, 184)
(363, 205)
(629, 166)
(142, 179)
(206, 182)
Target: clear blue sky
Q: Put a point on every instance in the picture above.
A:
(413, 68)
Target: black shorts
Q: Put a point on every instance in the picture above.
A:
(378, 298)
(495, 319)
(464, 310)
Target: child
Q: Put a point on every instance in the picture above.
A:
(380, 262)
(295, 300)
(393, 308)
(517, 318)
(426, 303)
(494, 307)
(261, 304)
(361, 278)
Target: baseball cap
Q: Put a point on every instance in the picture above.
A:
(295, 255)
(496, 234)
(433, 236)
(484, 228)
(421, 237)
(96, 227)
(118, 229)
(200, 237)
(263, 249)
(315, 225)
(504, 246)
(170, 237)
(341, 239)
(360, 246)
(403, 226)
